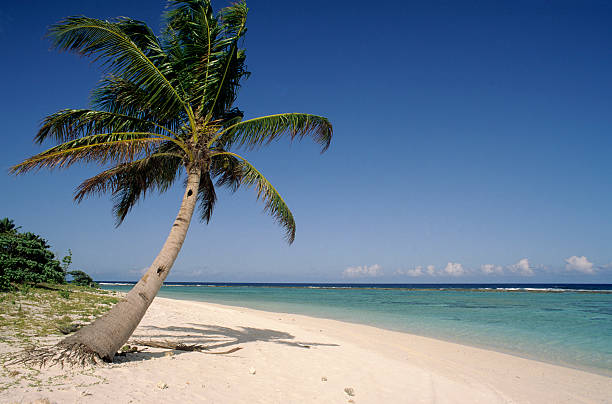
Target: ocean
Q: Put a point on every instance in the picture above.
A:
(565, 324)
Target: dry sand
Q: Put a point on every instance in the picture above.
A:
(287, 358)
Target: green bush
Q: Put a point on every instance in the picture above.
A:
(80, 278)
(26, 258)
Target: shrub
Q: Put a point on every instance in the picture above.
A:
(26, 258)
(80, 278)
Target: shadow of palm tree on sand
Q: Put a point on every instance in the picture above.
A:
(217, 337)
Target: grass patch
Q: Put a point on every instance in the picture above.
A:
(34, 312)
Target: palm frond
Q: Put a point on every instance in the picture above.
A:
(130, 182)
(256, 132)
(207, 197)
(146, 40)
(110, 42)
(227, 169)
(191, 32)
(225, 83)
(193, 37)
(114, 147)
(120, 96)
(273, 202)
(70, 124)
(205, 52)
(233, 19)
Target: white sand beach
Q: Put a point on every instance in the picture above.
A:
(287, 358)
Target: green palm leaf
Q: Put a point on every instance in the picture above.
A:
(123, 97)
(110, 42)
(114, 147)
(129, 182)
(233, 19)
(256, 132)
(70, 124)
(227, 169)
(273, 202)
(207, 197)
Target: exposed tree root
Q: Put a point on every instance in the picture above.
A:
(79, 355)
(182, 347)
(75, 355)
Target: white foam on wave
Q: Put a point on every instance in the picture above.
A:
(116, 284)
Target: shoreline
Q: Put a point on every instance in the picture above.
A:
(538, 350)
(526, 356)
(291, 358)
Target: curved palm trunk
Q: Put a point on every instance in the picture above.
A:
(108, 333)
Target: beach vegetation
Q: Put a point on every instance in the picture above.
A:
(26, 258)
(163, 111)
(82, 279)
(8, 226)
(77, 277)
(43, 312)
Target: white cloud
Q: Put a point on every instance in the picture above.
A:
(580, 264)
(522, 268)
(360, 271)
(418, 271)
(492, 269)
(454, 269)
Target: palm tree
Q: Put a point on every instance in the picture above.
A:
(163, 110)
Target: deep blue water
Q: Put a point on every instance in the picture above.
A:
(558, 323)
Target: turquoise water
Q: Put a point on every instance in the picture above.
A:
(568, 328)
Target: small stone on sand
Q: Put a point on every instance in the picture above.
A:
(350, 391)
(252, 371)
(162, 385)
(324, 379)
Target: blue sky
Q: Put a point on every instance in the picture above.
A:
(471, 144)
